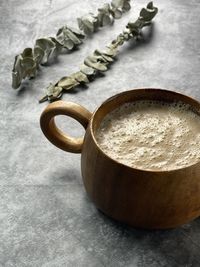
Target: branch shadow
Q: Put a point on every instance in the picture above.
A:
(138, 44)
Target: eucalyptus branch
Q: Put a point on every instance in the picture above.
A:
(27, 63)
(99, 60)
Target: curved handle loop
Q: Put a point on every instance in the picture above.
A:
(55, 135)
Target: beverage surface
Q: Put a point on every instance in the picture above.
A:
(151, 135)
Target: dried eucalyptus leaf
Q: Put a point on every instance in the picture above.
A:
(88, 23)
(117, 13)
(73, 37)
(101, 58)
(98, 52)
(38, 54)
(126, 7)
(106, 20)
(67, 43)
(87, 70)
(28, 64)
(105, 9)
(48, 46)
(46, 56)
(58, 46)
(60, 30)
(80, 24)
(148, 13)
(117, 3)
(57, 92)
(78, 33)
(43, 99)
(17, 75)
(60, 40)
(94, 21)
(104, 15)
(88, 27)
(150, 5)
(50, 89)
(80, 77)
(53, 90)
(16, 80)
(65, 39)
(100, 18)
(103, 55)
(64, 35)
(111, 51)
(28, 52)
(134, 27)
(120, 6)
(17, 72)
(45, 43)
(126, 36)
(52, 98)
(95, 65)
(96, 58)
(67, 83)
(107, 58)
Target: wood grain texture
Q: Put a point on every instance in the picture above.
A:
(147, 199)
(55, 135)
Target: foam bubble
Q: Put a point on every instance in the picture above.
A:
(151, 135)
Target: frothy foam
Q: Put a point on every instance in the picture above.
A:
(151, 135)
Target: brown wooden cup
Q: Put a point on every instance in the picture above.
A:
(141, 198)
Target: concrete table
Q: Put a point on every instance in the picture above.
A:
(46, 218)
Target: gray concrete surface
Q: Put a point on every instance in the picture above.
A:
(46, 218)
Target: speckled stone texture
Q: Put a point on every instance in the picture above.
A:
(46, 218)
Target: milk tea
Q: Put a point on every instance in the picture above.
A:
(151, 135)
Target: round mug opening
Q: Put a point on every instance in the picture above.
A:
(134, 95)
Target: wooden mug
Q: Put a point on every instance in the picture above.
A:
(148, 199)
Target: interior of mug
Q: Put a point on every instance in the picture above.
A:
(140, 94)
(137, 95)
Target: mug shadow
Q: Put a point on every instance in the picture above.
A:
(121, 243)
(174, 247)
(65, 177)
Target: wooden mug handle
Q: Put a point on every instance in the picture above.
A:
(55, 135)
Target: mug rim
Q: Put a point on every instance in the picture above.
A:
(118, 95)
